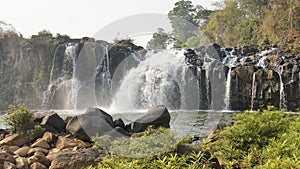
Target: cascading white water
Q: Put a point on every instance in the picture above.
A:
(227, 91)
(63, 88)
(253, 90)
(159, 79)
(282, 102)
(71, 51)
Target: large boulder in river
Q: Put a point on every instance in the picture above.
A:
(94, 122)
(157, 116)
(54, 120)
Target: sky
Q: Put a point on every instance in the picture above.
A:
(78, 18)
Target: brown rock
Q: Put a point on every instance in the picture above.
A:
(22, 152)
(41, 158)
(42, 144)
(78, 159)
(15, 140)
(37, 149)
(4, 156)
(63, 142)
(9, 149)
(22, 163)
(37, 165)
(32, 160)
(9, 165)
(48, 137)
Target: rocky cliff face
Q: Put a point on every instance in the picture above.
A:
(255, 77)
(24, 69)
(63, 73)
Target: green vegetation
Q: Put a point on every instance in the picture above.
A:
(236, 22)
(36, 132)
(153, 149)
(7, 30)
(151, 143)
(165, 161)
(159, 40)
(45, 33)
(263, 139)
(245, 22)
(17, 117)
(186, 20)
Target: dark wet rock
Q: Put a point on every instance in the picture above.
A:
(119, 123)
(157, 116)
(117, 133)
(94, 122)
(55, 121)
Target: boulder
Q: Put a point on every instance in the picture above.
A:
(157, 116)
(3, 133)
(77, 159)
(94, 122)
(63, 142)
(119, 123)
(9, 149)
(15, 140)
(21, 163)
(48, 136)
(9, 165)
(4, 156)
(22, 152)
(41, 158)
(37, 149)
(41, 143)
(55, 121)
(117, 132)
(37, 165)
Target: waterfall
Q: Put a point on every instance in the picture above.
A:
(63, 86)
(159, 79)
(227, 91)
(71, 50)
(282, 102)
(253, 90)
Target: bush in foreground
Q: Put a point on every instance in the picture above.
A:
(267, 139)
(17, 117)
(264, 139)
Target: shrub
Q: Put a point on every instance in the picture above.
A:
(17, 117)
(36, 132)
(151, 143)
(243, 144)
(136, 153)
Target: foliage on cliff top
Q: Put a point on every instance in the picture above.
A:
(244, 22)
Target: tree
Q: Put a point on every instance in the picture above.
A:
(183, 20)
(244, 22)
(159, 40)
(6, 29)
(186, 20)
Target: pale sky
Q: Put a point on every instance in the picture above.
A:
(78, 18)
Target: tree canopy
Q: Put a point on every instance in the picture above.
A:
(244, 22)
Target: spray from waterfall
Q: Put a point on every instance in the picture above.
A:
(159, 79)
